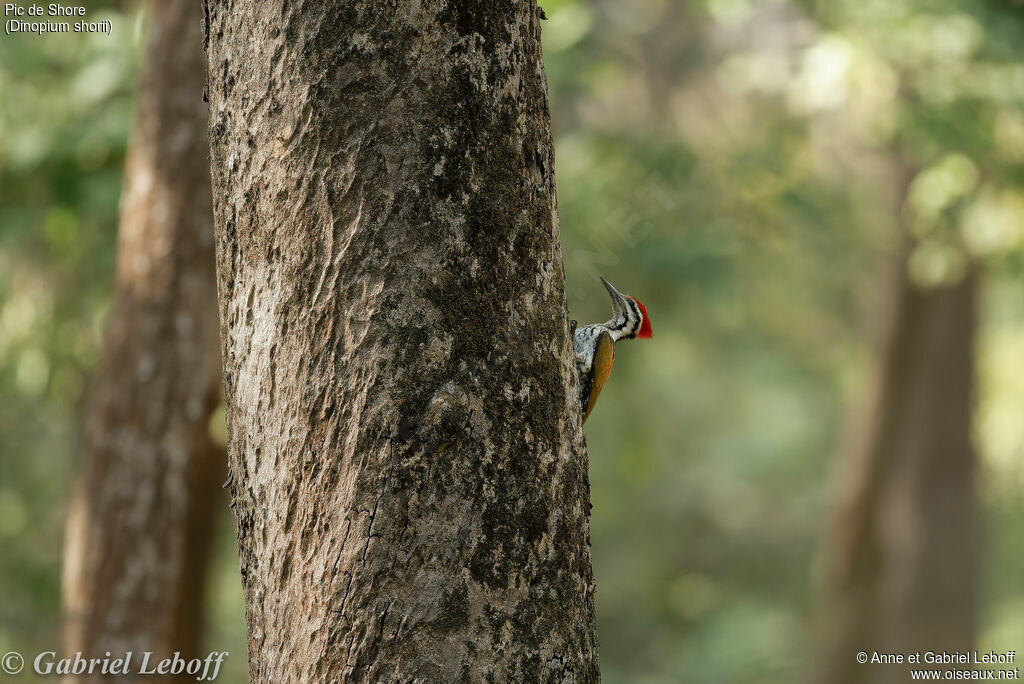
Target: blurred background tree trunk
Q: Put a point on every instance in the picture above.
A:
(409, 475)
(139, 526)
(902, 551)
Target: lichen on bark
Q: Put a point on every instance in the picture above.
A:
(409, 475)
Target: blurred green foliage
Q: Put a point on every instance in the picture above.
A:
(742, 166)
(65, 119)
(746, 168)
(64, 116)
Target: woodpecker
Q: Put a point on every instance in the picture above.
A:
(595, 343)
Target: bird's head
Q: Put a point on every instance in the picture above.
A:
(630, 314)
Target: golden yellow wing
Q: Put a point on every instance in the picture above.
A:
(604, 357)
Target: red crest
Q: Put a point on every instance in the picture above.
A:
(645, 325)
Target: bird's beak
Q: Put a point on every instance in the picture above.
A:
(618, 299)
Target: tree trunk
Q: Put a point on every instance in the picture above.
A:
(409, 471)
(902, 550)
(138, 529)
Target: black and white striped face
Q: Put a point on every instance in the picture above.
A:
(627, 322)
(627, 317)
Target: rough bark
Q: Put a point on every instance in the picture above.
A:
(901, 552)
(409, 474)
(138, 529)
